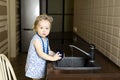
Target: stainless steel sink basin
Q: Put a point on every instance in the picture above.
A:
(75, 63)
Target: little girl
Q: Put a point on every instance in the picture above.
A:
(39, 50)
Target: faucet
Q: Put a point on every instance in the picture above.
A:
(91, 54)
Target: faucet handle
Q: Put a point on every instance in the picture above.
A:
(92, 54)
(92, 46)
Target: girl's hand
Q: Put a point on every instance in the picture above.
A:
(57, 56)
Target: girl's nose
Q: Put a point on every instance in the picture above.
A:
(44, 30)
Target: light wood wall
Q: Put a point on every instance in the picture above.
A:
(3, 27)
(9, 27)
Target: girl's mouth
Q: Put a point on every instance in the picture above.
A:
(44, 34)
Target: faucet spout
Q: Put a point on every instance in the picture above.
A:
(72, 46)
(91, 54)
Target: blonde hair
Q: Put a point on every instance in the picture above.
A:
(40, 18)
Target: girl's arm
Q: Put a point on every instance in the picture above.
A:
(51, 53)
(45, 56)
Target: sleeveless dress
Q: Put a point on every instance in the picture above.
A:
(35, 65)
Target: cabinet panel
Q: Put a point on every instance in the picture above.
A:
(55, 6)
(25, 39)
(68, 22)
(69, 6)
(29, 12)
(57, 23)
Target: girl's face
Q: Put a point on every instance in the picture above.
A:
(43, 28)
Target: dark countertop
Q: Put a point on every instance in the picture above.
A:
(109, 69)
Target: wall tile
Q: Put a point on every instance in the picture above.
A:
(108, 47)
(117, 11)
(114, 59)
(110, 11)
(111, 2)
(110, 29)
(100, 25)
(116, 31)
(116, 21)
(115, 51)
(117, 2)
(115, 41)
(118, 62)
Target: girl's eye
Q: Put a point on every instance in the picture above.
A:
(41, 27)
(47, 28)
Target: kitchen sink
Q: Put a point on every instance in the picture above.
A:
(75, 63)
